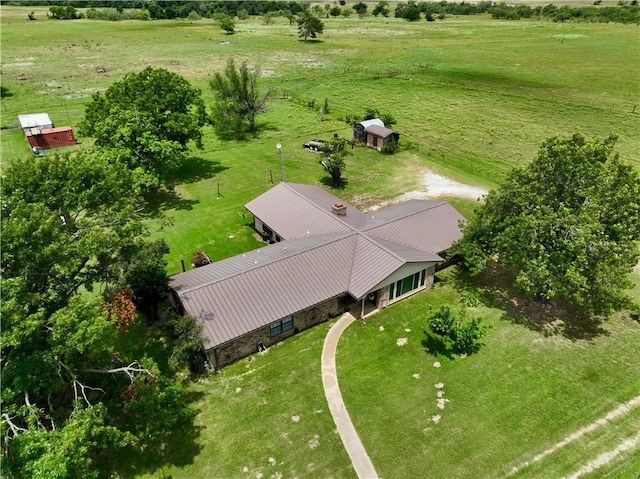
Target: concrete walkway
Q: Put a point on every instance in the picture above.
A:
(361, 462)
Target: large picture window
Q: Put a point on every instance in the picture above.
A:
(406, 285)
(279, 327)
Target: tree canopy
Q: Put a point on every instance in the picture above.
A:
(568, 224)
(381, 9)
(238, 100)
(147, 120)
(309, 26)
(70, 392)
(334, 153)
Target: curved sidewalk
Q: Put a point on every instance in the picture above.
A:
(359, 458)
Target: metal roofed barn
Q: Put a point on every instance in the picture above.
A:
(325, 257)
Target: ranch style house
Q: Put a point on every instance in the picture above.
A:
(324, 257)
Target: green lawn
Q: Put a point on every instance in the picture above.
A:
(521, 394)
(472, 98)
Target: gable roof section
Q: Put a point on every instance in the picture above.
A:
(234, 302)
(297, 211)
(373, 122)
(34, 120)
(425, 225)
(380, 131)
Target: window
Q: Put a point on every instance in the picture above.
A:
(406, 285)
(281, 326)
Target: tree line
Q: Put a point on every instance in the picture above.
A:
(622, 13)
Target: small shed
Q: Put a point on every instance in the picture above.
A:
(359, 129)
(35, 121)
(47, 138)
(379, 136)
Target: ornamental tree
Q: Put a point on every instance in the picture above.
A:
(334, 153)
(568, 224)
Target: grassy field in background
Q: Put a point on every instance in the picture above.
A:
(472, 97)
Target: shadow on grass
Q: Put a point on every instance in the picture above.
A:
(162, 200)
(194, 169)
(495, 287)
(176, 448)
(328, 181)
(435, 346)
(244, 136)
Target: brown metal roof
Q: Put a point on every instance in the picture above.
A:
(234, 305)
(297, 211)
(379, 131)
(433, 228)
(249, 291)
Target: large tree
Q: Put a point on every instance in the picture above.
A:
(147, 120)
(309, 26)
(64, 221)
(568, 224)
(238, 100)
(69, 391)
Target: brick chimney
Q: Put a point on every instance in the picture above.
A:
(339, 209)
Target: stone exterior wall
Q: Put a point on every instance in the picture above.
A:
(428, 280)
(248, 344)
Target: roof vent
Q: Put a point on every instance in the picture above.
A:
(339, 209)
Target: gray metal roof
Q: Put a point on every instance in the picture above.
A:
(380, 131)
(249, 291)
(34, 120)
(241, 303)
(373, 122)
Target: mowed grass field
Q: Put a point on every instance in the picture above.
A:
(472, 97)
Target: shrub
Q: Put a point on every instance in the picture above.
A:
(390, 148)
(441, 321)
(228, 25)
(467, 335)
(470, 299)
(193, 15)
(387, 119)
(462, 334)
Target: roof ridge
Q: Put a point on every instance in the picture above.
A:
(400, 243)
(372, 241)
(336, 237)
(328, 213)
(436, 204)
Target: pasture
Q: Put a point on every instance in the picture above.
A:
(472, 98)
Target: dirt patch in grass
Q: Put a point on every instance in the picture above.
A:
(435, 186)
(438, 185)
